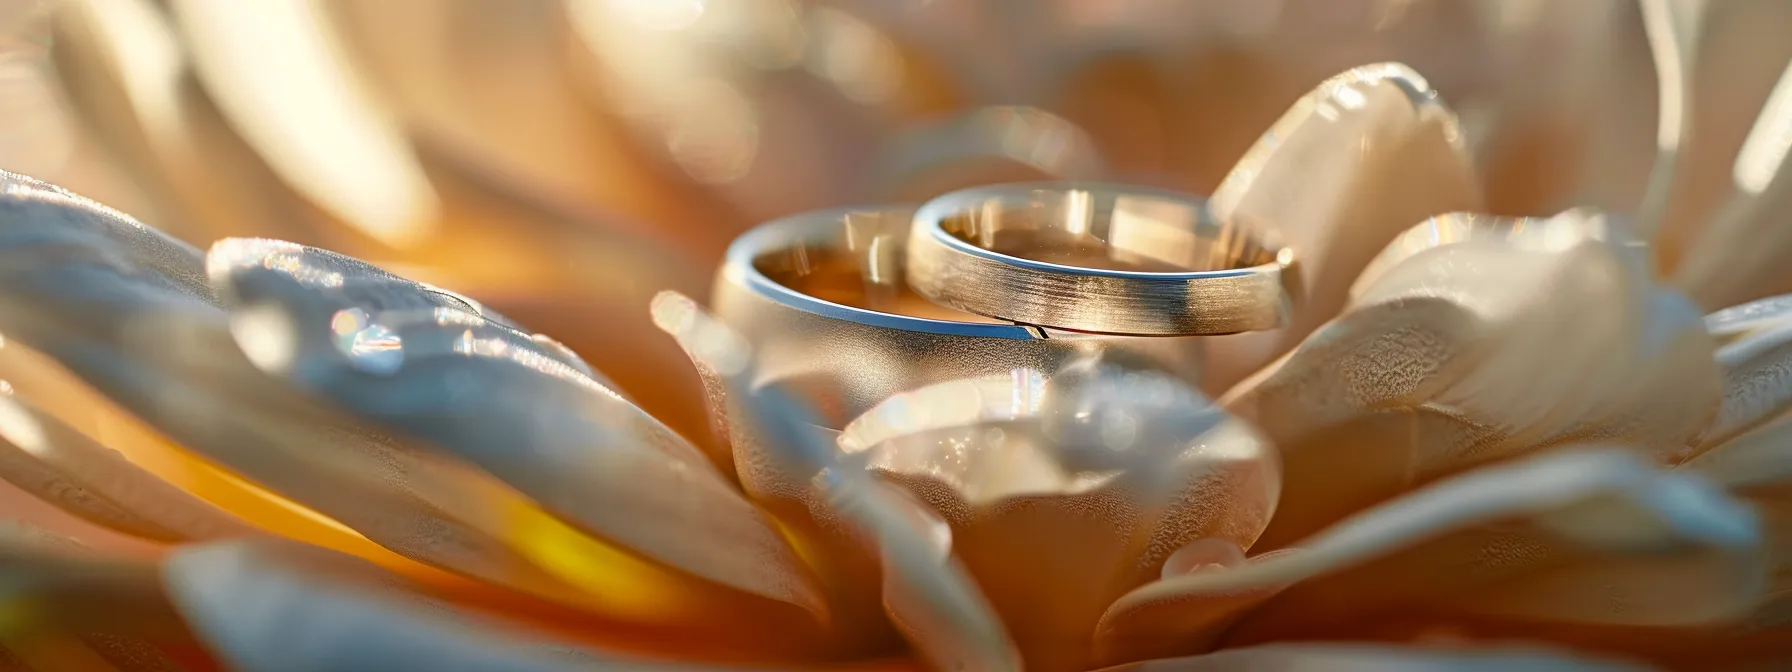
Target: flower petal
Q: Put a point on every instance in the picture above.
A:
(1497, 540)
(501, 400)
(108, 297)
(283, 81)
(1452, 354)
(1734, 69)
(1756, 358)
(275, 607)
(1369, 658)
(926, 592)
(1738, 256)
(1757, 467)
(1085, 482)
(69, 470)
(58, 585)
(1361, 158)
(162, 350)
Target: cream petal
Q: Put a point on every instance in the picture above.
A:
(75, 290)
(927, 594)
(1499, 541)
(1085, 482)
(1733, 70)
(704, 341)
(72, 609)
(1452, 354)
(852, 576)
(69, 470)
(1757, 467)
(931, 599)
(1361, 158)
(1738, 255)
(1564, 116)
(1373, 658)
(283, 81)
(1735, 322)
(486, 393)
(1673, 28)
(275, 607)
(128, 77)
(59, 584)
(117, 307)
(1756, 358)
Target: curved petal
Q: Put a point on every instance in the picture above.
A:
(91, 288)
(1453, 354)
(269, 607)
(1369, 658)
(1733, 73)
(1364, 156)
(1673, 28)
(64, 468)
(1499, 540)
(57, 585)
(1757, 467)
(1756, 358)
(160, 349)
(509, 403)
(1063, 493)
(282, 80)
(927, 593)
(1737, 256)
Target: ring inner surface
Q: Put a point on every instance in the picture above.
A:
(1136, 233)
(863, 268)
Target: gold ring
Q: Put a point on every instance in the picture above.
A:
(1097, 258)
(822, 298)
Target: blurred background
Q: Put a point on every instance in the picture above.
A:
(562, 160)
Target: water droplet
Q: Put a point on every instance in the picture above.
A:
(369, 346)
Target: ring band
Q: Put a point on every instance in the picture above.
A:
(1097, 258)
(822, 298)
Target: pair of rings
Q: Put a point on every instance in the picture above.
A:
(853, 306)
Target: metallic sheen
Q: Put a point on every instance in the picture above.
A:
(822, 297)
(1097, 258)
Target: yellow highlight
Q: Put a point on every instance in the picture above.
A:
(603, 577)
(613, 581)
(46, 385)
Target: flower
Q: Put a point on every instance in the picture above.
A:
(1485, 441)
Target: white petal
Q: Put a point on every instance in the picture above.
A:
(1494, 541)
(1371, 658)
(1738, 254)
(69, 470)
(131, 325)
(495, 397)
(1085, 481)
(1734, 68)
(1364, 156)
(926, 592)
(280, 608)
(1473, 339)
(283, 81)
(1756, 358)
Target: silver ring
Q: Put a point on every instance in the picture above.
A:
(1097, 258)
(823, 299)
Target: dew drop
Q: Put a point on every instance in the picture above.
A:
(370, 347)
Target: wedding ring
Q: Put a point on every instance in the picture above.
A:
(822, 298)
(1097, 258)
